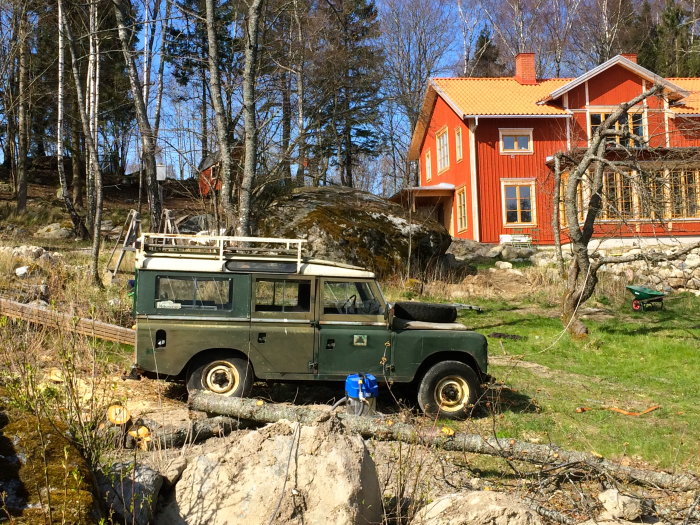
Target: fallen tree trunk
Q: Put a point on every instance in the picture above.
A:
(193, 432)
(386, 429)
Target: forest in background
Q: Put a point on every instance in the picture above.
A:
(294, 92)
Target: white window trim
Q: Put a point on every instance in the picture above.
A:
(515, 131)
(428, 166)
(438, 136)
(459, 145)
(533, 197)
(461, 190)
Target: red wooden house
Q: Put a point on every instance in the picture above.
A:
(485, 149)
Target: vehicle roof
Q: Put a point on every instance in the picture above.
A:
(191, 253)
(310, 267)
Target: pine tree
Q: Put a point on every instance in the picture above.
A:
(487, 60)
(673, 41)
(345, 82)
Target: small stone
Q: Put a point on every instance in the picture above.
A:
(22, 271)
(503, 265)
(621, 506)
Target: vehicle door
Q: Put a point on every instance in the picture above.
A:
(353, 334)
(282, 332)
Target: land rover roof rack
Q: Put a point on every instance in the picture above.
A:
(218, 247)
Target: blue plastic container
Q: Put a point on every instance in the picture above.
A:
(361, 386)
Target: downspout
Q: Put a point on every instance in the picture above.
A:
(473, 178)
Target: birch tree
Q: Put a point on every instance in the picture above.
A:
(220, 116)
(253, 21)
(78, 225)
(148, 145)
(22, 113)
(91, 149)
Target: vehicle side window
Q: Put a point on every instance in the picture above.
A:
(350, 297)
(282, 295)
(195, 293)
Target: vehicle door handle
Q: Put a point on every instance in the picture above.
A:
(330, 344)
(261, 337)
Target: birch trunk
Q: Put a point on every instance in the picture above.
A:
(148, 147)
(22, 113)
(92, 153)
(78, 225)
(222, 132)
(249, 107)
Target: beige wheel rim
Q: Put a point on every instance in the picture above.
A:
(221, 378)
(452, 393)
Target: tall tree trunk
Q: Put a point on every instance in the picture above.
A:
(77, 163)
(286, 125)
(222, 129)
(78, 225)
(22, 118)
(250, 126)
(148, 147)
(299, 76)
(161, 73)
(92, 153)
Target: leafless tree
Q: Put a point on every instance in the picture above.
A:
(148, 146)
(220, 116)
(413, 34)
(590, 168)
(78, 224)
(253, 21)
(23, 111)
(91, 148)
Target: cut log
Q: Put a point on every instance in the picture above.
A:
(387, 429)
(192, 432)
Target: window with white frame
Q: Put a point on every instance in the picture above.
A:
(515, 141)
(518, 202)
(428, 166)
(461, 198)
(458, 144)
(443, 150)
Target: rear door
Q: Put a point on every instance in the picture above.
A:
(353, 335)
(282, 335)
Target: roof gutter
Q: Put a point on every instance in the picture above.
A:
(568, 115)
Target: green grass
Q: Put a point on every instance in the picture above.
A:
(630, 360)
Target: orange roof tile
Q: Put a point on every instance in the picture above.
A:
(498, 96)
(689, 104)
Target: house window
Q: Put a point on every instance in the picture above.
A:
(518, 202)
(685, 193)
(617, 196)
(632, 123)
(461, 197)
(515, 141)
(563, 221)
(428, 166)
(443, 151)
(458, 144)
(652, 199)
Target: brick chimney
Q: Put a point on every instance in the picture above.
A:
(632, 57)
(525, 68)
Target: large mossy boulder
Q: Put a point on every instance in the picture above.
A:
(356, 227)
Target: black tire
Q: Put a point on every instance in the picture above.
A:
(449, 389)
(427, 312)
(221, 374)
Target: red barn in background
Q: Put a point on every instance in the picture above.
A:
(485, 148)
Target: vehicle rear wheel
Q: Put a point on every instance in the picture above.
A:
(221, 374)
(449, 389)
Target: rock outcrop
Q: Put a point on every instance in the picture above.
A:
(477, 508)
(355, 227)
(282, 473)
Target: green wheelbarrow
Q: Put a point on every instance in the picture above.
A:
(644, 296)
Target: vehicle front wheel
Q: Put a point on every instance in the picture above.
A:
(449, 389)
(221, 374)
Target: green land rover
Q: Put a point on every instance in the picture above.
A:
(222, 312)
